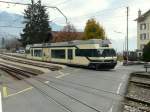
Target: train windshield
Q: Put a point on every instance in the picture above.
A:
(96, 52)
(106, 52)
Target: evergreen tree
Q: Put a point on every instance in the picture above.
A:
(37, 29)
(146, 53)
(93, 30)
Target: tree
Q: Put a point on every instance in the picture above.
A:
(93, 30)
(68, 33)
(36, 22)
(146, 53)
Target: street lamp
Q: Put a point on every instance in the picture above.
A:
(126, 49)
(124, 43)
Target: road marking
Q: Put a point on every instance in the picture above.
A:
(111, 109)
(77, 70)
(25, 90)
(62, 74)
(0, 102)
(5, 93)
(46, 82)
(118, 90)
(124, 77)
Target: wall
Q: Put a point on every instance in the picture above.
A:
(147, 30)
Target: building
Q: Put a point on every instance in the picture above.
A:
(60, 36)
(143, 30)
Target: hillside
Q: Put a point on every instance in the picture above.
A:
(12, 24)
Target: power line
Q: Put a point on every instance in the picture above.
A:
(103, 11)
(12, 27)
(63, 2)
(98, 13)
(53, 7)
(14, 3)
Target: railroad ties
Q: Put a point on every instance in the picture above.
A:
(137, 98)
(16, 72)
(29, 62)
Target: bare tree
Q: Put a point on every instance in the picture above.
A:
(13, 44)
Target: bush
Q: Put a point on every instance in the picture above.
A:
(146, 53)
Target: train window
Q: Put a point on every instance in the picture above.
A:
(60, 54)
(108, 53)
(87, 52)
(95, 52)
(38, 53)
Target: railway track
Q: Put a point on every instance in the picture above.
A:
(23, 75)
(50, 67)
(16, 72)
(137, 98)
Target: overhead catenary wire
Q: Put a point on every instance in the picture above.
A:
(53, 7)
(20, 27)
(61, 3)
(86, 15)
(66, 19)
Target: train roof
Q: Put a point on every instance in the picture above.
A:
(73, 43)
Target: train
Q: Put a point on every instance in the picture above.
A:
(93, 53)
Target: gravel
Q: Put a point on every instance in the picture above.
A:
(138, 94)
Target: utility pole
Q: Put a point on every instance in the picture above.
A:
(32, 2)
(127, 33)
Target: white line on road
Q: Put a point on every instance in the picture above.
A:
(118, 90)
(0, 102)
(62, 74)
(111, 109)
(46, 82)
(25, 90)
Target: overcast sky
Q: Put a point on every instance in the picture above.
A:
(111, 14)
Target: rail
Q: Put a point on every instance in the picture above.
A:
(38, 64)
(17, 73)
(137, 96)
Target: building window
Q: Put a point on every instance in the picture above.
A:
(143, 26)
(147, 35)
(60, 54)
(143, 36)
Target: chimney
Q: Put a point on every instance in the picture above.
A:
(139, 13)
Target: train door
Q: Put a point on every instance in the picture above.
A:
(70, 55)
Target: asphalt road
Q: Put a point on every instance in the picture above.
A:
(70, 90)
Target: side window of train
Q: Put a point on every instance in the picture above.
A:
(87, 52)
(77, 52)
(59, 53)
(38, 53)
(70, 54)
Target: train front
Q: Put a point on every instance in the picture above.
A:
(104, 57)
